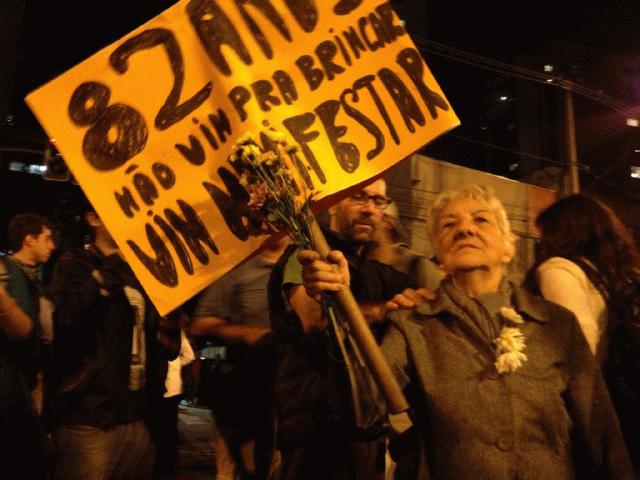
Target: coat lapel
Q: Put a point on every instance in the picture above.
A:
(464, 327)
(525, 303)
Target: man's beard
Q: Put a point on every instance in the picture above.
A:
(361, 236)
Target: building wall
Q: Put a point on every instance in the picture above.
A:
(417, 180)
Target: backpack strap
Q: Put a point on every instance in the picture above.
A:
(5, 275)
(594, 276)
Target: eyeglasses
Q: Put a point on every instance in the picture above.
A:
(379, 201)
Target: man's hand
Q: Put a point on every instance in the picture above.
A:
(321, 276)
(409, 298)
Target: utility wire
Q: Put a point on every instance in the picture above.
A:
(505, 68)
(498, 66)
(582, 166)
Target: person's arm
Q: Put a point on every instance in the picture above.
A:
(13, 321)
(318, 277)
(409, 298)
(394, 348)
(230, 333)
(187, 355)
(305, 293)
(168, 333)
(375, 312)
(307, 308)
(77, 287)
(561, 286)
(331, 276)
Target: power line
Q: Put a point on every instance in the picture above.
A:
(582, 166)
(524, 73)
(504, 68)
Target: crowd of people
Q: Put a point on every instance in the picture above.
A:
(505, 380)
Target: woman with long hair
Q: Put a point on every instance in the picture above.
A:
(588, 262)
(585, 255)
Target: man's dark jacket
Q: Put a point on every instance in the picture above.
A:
(93, 339)
(311, 388)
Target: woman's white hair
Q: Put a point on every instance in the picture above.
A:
(481, 193)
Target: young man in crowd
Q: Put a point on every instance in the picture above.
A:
(30, 237)
(108, 365)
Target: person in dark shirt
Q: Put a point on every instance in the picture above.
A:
(106, 363)
(330, 421)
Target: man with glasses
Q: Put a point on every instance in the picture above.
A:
(320, 383)
(356, 217)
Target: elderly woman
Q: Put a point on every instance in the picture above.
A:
(501, 383)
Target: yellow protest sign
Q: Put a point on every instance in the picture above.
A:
(146, 124)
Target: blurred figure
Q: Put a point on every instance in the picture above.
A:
(163, 421)
(588, 262)
(109, 340)
(21, 448)
(234, 310)
(393, 249)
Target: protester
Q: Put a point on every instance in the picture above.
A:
(329, 423)
(106, 363)
(501, 383)
(234, 311)
(30, 237)
(588, 262)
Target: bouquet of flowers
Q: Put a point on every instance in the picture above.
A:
(280, 201)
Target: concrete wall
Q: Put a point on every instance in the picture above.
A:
(417, 180)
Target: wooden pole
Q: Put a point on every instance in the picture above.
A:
(377, 364)
(572, 177)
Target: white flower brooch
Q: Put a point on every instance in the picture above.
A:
(510, 343)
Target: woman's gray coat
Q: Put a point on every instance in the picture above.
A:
(552, 419)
